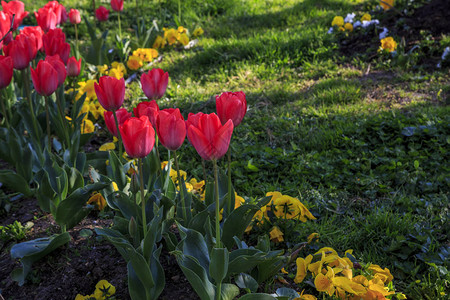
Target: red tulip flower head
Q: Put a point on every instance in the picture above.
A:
(210, 138)
(122, 115)
(45, 78)
(73, 67)
(74, 16)
(6, 71)
(102, 14)
(16, 8)
(138, 136)
(117, 5)
(149, 109)
(59, 66)
(171, 128)
(110, 92)
(35, 31)
(154, 83)
(5, 24)
(231, 106)
(59, 10)
(22, 50)
(46, 19)
(55, 43)
(193, 119)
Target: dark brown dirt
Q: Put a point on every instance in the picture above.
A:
(433, 17)
(76, 267)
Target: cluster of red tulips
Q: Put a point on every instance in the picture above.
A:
(210, 134)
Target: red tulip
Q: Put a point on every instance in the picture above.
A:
(6, 71)
(138, 136)
(171, 128)
(193, 119)
(22, 50)
(45, 78)
(59, 10)
(73, 67)
(37, 32)
(55, 43)
(59, 66)
(5, 25)
(74, 16)
(16, 8)
(102, 13)
(110, 92)
(231, 106)
(210, 138)
(149, 109)
(122, 115)
(154, 83)
(117, 5)
(46, 19)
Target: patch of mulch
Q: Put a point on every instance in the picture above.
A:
(77, 267)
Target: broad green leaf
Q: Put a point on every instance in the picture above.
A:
(15, 182)
(219, 264)
(237, 222)
(135, 287)
(31, 251)
(229, 291)
(123, 202)
(66, 212)
(118, 174)
(245, 281)
(184, 211)
(196, 275)
(194, 245)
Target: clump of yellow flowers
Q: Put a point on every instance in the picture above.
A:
(141, 56)
(344, 277)
(103, 291)
(388, 44)
(174, 36)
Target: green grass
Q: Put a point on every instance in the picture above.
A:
(367, 153)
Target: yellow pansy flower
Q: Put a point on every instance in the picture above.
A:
(348, 26)
(387, 4)
(305, 296)
(103, 70)
(338, 21)
(366, 17)
(115, 187)
(171, 36)
(198, 31)
(238, 200)
(159, 42)
(87, 126)
(377, 270)
(87, 297)
(134, 62)
(302, 267)
(389, 44)
(104, 290)
(182, 29)
(276, 235)
(183, 39)
(324, 283)
(107, 147)
(98, 200)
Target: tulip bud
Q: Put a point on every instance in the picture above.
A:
(117, 5)
(135, 184)
(171, 128)
(45, 78)
(132, 227)
(231, 106)
(74, 16)
(73, 67)
(122, 115)
(138, 136)
(110, 92)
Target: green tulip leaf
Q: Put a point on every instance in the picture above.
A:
(31, 251)
(219, 264)
(257, 296)
(15, 182)
(237, 222)
(245, 281)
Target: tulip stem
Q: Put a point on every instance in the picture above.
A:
(47, 118)
(157, 154)
(216, 196)
(5, 116)
(229, 181)
(141, 179)
(118, 134)
(76, 40)
(181, 187)
(26, 84)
